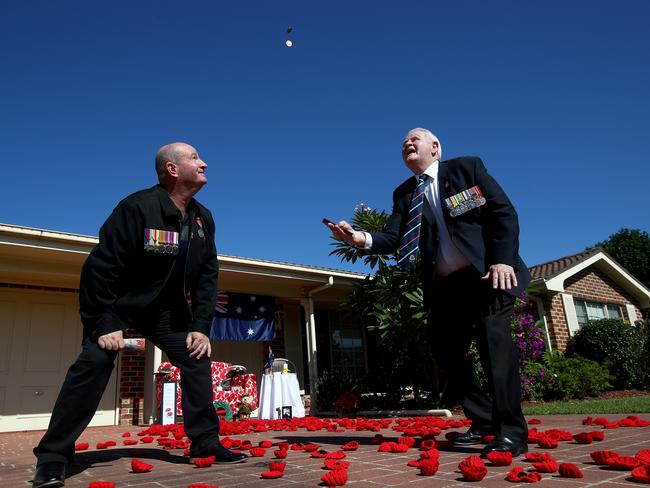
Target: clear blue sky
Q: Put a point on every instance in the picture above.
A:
(553, 96)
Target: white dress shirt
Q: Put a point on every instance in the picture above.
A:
(449, 258)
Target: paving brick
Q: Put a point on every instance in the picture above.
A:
(369, 468)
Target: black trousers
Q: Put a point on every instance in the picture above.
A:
(87, 378)
(464, 308)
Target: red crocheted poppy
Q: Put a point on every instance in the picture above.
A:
(583, 438)
(101, 484)
(280, 453)
(201, 485)
(246, 445)
(350, 446)
(82, 446)
(471, 461)
(570, 470)
(549, 466)
(336, 464)
(310, 447)
(126, 434)
(395, 447)
(597, 435)
(146, 440)
(642, 423)
(473, 473)
(265, 444)
(385, 447)
(534, 421)
(408, 441)
(413, 463)
(547, 443)
(430, 454)
(338, 477)
(277, 466)
(321, 453)
(427, 444)
(627, 423)
(488, 438)
(204, 462)
(623, 463)
(377, 439)
(335, 455)
(600, 457)
(601, 421)
(518, 475)
(500, 458)
(283, 445)
(428, 467)
(138, 466)
(538, 457)
(257, 452)
(129, 442)
(268, 475)
(587, 421)
(643, 456)
(611, 425)
(641, 474)
(101, 445)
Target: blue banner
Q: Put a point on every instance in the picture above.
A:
(242, 317)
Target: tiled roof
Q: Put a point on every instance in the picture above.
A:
(554, 268)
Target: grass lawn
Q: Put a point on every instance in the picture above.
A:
(633, 404)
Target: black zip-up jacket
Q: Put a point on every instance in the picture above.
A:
(120, 278)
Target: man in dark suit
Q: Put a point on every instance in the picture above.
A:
(455, 219)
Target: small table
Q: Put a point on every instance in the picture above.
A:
(280, 390)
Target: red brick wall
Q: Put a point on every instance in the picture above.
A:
(131, 386)
(589, 284)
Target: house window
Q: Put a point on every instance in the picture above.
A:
(593, 311)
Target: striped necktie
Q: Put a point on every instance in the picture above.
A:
(408, 251)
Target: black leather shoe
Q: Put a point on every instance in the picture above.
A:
(49, 475)
(503, 444)
(469, 438)
(221, 455)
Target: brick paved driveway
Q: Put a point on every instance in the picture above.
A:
(369, 468)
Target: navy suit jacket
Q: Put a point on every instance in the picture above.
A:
(486, 235)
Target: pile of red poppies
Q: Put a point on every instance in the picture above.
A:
(415, 433)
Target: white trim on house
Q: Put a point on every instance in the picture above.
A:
(570, 313)
(631, 313)
(614, 270)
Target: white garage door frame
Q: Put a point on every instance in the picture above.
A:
(41, 334)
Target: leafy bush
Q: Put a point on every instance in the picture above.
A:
(330, 387)
(536, 381)
(574, 377)
(614, 344)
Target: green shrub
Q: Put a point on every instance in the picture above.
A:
(574, 377)
(330, 387)
(614, 344)
(536, 381)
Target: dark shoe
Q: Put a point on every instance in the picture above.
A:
(469, 438)
(503, 444)
(221, 455)
(49, 475)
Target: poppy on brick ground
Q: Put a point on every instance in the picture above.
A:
(518, 475)
(600, 457)
(473, 473)
(138, 466)
(204, 462)
(500, 458)
(548, 466)
(570, 470)
(268, 475)
(641, 474)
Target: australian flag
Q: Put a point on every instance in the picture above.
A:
(242, 317)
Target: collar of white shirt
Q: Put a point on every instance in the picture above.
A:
(431, 171)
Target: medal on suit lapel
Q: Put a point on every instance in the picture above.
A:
(200, 232)
(161, 241)
(465, 201)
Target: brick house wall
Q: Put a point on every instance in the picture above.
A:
(590, 284)
(131, 386)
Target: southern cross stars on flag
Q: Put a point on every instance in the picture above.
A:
(243, 317)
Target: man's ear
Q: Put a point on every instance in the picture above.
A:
(435, 148)
(171, 169)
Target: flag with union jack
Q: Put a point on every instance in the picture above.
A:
(243, 317)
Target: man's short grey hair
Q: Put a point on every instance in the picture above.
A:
(165, 154)
(430, 135)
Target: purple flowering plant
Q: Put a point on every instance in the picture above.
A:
(529, 341)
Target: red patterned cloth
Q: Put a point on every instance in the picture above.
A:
(241, 385)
